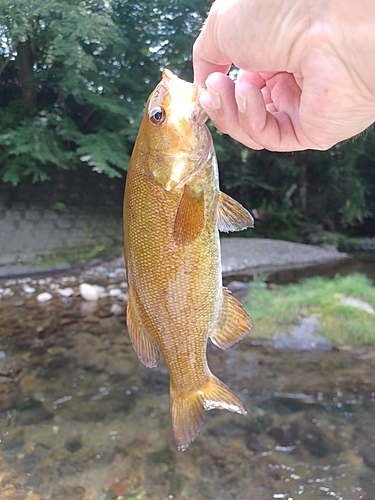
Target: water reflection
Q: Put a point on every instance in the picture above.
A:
(82, 419)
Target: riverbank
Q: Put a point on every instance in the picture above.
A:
(239, 255)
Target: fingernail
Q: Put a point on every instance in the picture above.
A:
(206, 101)
(241, 101)
(215, 99)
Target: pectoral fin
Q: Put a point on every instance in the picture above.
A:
(146, 349)
(233, 324)
(189, 219)
(231, 215)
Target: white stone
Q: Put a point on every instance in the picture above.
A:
(65, 292)
(88, 292)
(44, 297)
(28, 289)
(114, 292)
(7, 292)
(123, 297)
(116, 309)
(101, 291)
(358, 304)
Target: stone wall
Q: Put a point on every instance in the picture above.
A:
(71, 210)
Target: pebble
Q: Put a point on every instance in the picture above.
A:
(114, 292)
(28, 289)
(116, 309)
(65, 292)
(122, 297)
(44, 297)
(88, 292)
(7, 292)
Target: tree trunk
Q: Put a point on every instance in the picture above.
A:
(25, 62)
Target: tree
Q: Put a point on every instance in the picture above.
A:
(75, 76)
(74, 79)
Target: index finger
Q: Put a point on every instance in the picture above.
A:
(207, 57)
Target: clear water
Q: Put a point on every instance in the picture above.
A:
(81, 418)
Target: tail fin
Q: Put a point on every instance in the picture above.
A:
(188, 409)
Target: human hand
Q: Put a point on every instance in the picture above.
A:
(306, 79)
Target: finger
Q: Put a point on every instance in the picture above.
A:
(207, 59)
(266, 124)
(220, 104)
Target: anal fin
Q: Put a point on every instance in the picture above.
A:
(233, 323)
(189, 219)
(146, 349)
(188, 409)
(231, 215)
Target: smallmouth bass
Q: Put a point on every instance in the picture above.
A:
(173, 210)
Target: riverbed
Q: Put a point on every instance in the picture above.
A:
(82, 419)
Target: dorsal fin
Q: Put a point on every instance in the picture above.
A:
(231, 215)
(233, 323)
(189, 219)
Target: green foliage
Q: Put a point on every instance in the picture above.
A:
(280, 309)
(335, 188)
(75, 76)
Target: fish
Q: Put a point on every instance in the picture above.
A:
(173, 212)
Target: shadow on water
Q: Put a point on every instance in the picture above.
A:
(82, 419)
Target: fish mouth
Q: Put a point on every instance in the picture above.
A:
(169, 80)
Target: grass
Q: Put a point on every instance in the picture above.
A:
(282, 308)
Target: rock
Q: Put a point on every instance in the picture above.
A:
(116, 309)
(29, 383)
(100, 290)
(88, 307)
(65, 292)
(28, 289)
(368, 455)
(7, 292)
(357, 304)
(303, 337)
(88, 292)
(44, 297)
(114, 292)
(123, 297)
(9, 368)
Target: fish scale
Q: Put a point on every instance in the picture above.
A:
(172, 212)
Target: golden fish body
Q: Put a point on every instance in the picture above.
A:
(172, 211)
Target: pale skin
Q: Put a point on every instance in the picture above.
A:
(307, 71)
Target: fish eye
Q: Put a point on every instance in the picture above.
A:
(157, 116)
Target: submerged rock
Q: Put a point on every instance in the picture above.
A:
(303, 337)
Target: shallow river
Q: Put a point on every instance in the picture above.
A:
(81, 418)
